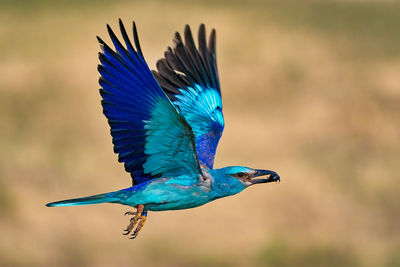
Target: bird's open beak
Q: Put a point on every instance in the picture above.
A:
(272, 177)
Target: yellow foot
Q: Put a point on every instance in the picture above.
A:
(139, 218)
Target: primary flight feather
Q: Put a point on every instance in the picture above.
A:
(165, 126)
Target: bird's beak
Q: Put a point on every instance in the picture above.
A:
(272, 177)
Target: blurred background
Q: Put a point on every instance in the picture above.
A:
(310, 89)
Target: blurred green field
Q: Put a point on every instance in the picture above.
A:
(310, 89)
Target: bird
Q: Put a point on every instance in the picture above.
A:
(165, 126)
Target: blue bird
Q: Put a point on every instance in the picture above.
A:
(165, 127)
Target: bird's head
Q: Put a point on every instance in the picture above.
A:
(237, 178)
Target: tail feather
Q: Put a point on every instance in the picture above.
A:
(96, 199)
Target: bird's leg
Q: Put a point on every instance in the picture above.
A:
(142, 220)
(139, 217)
(136, 216)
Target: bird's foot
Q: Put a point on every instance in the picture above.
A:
(138, 220)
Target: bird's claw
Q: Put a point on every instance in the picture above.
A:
(138, 220)
(131, 213)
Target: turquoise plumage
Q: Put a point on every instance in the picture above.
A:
(165, 126)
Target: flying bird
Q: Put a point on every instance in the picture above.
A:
(165, 127)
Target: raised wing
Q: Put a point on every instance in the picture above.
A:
(149, 134)
(189, 76)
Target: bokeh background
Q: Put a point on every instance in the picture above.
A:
(311, 89)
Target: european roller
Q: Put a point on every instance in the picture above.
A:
(165, 127)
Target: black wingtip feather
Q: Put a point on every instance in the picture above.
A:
(199, 66)
(177, 38)
(126, 38)
(212, 42)
(187, 28)
(136, 39)
(100, 40)
(111, 33)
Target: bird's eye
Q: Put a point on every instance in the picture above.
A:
(240, 174)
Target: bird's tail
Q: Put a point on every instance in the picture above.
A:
(96, 199)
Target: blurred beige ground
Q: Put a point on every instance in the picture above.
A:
(311, 90)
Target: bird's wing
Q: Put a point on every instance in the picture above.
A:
(189, 76)
(149, 134)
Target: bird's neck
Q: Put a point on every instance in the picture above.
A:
(222, 187)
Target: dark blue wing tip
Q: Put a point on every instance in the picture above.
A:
(123, 74)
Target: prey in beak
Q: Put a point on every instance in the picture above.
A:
(271, 177)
